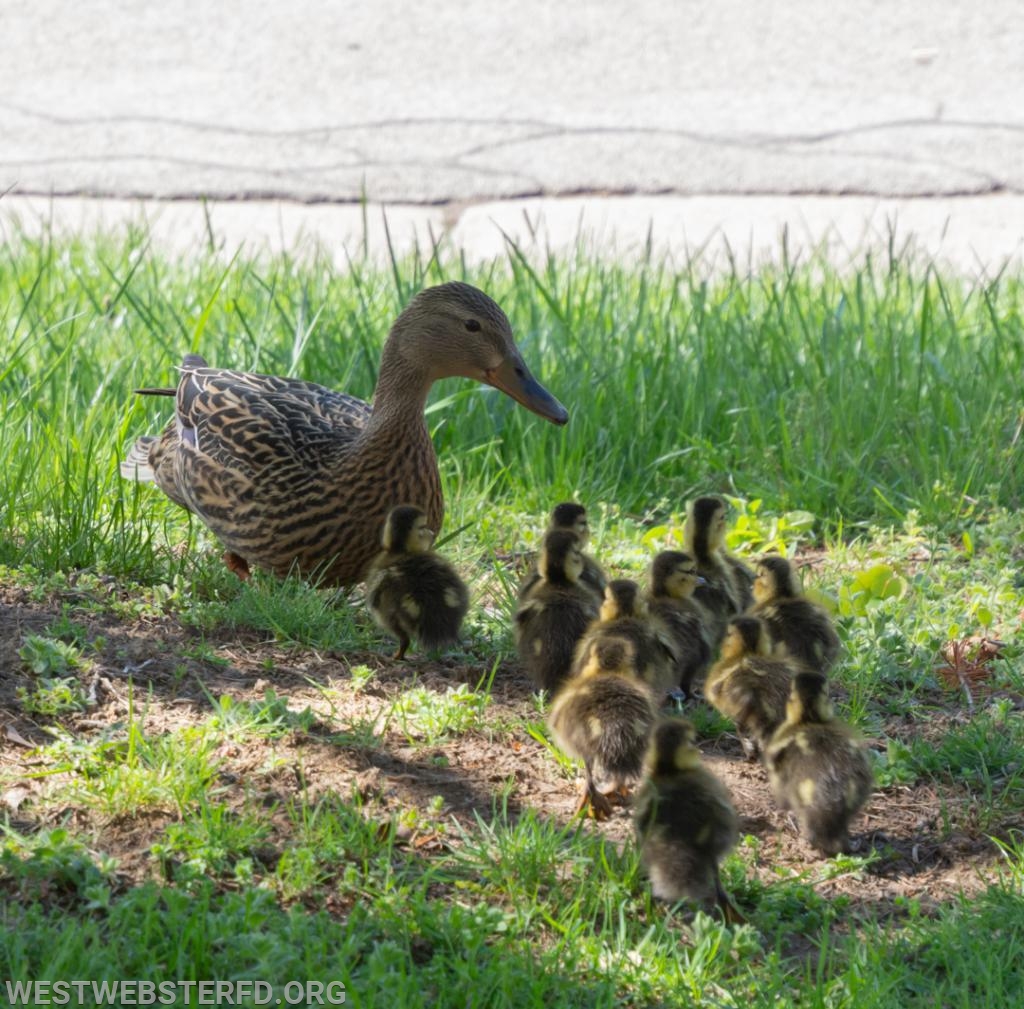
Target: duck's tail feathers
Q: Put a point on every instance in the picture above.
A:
(135, 465)
(156, 392)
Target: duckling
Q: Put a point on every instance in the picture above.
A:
(624, 614)
(727, 589)
(804, 628)
(673, 579)
(555, 611)
(604, 715)
(411, 591)
(685, 820)
(572, 517)
(750, 683)
(817, 766)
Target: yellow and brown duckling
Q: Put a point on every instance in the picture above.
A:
(291, 475)
(684, 819)
(624, 614)
(555, 612)
(728, 581)
(817, 766)
(750, 683)
(572, 517)
(673, 580)
(802, 626)
(411, 591)
(603, 715)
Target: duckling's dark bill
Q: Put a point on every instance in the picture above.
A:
(514, 379)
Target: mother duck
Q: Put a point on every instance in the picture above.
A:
(291, 475)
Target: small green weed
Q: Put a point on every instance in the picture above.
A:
(212, 841)
(55, 665)
(55, 862)
(428, 717)
(270, 717)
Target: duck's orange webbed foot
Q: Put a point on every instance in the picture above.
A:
(238, 565)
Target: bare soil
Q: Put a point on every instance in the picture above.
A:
(926, 844)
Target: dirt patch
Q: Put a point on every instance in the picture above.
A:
(351, 742)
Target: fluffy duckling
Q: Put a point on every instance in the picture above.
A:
(624, 614)
(817, 766)
(411, 591)
(684, 819)
(750, 683)
(803, 627)
(555, 612)
(572, 517)
(727, 589)
(673, 579)
(604, 716)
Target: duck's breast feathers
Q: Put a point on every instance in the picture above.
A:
(241, 419)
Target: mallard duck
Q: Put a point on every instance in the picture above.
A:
(685, 820)
(290, 475)
(572, 517)
(672, 580)
(817, 766)
(727, 589)
(750, 683)
(624, 614)
(555, 611)
(803, 627)
(412, 591)
(603, 716)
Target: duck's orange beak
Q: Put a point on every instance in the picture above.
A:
(513, 378)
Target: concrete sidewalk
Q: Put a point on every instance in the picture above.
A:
(975, 235)
(440, 109)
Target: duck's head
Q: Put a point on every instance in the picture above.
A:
(572, 516)
(704, 529)
(808, 699)
(674, 573)
(775, 580)
(672, 748)
(746, 636)
(456, 330)
(406, 531)
(622, 599)
(609, 655)
(560, 556)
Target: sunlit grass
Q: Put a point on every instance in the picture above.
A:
(854, 396)
(875, 412)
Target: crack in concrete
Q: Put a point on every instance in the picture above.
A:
(544, 127)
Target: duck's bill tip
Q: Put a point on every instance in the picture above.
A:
(513, 379)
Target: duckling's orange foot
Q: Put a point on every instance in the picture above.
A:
(731, 913)
(238, 565)
(619, 795)
(401, 650)
(593, 802)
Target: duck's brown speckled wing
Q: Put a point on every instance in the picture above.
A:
(249, 421)
(262, 461)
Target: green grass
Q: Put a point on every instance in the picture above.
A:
(525, 913)
(678, 381)
(873, 412)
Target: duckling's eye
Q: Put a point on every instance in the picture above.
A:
(472, 325)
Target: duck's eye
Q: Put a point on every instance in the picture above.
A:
(473, 325)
